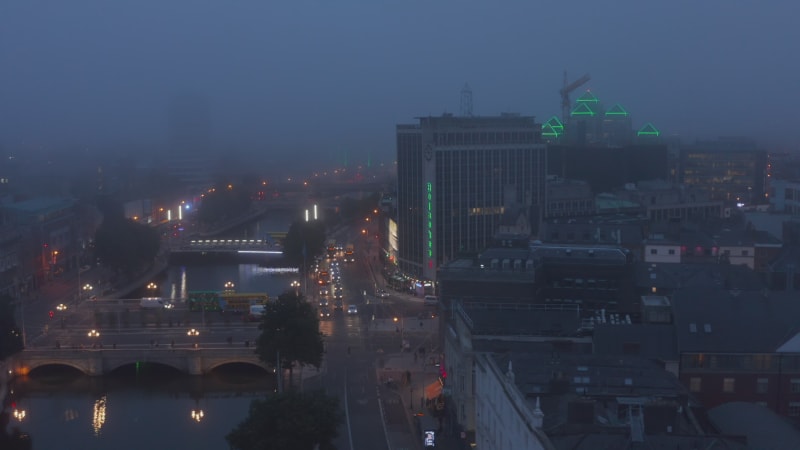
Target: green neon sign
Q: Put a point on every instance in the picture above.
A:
(429, 187)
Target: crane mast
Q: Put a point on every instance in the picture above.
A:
(566, 90)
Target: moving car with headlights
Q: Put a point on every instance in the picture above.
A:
(352, 309)
(324, 313)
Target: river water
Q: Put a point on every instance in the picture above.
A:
(151, 407)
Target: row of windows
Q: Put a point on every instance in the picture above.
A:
(485, 138)
(729, 385)
(742, 362)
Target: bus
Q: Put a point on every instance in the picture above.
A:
(331, 247)
(349, 253)
(241, 301)
(213, 301)
(204, 301)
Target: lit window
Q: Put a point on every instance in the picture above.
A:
(728, 385)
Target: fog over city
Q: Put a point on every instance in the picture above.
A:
(329, 79)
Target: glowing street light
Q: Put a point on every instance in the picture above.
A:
(93, 334)
(61, 307)
(87, 289)
(296, 285)
(229, 286)
(197, 415)
(152, 286)
(193, 332)
(19, 414)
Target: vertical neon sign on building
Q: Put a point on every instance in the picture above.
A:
(430, 224)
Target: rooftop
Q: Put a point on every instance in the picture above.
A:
(710, 319)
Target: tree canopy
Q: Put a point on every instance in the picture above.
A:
(10, 336)
(308, 237)
(125, 245)
(288, 420)
(290, 326)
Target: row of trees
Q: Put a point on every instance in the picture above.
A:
(289, 336)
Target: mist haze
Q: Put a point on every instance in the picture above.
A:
(329, 80)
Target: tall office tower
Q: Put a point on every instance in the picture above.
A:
(456, 177)
(731, 169)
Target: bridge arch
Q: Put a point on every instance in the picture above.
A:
(117, 365)
(249, 361)
(33, 365)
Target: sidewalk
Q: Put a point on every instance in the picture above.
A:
(398, 393)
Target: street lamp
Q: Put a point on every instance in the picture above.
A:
(152, 286)
(20, 414)
(193, 333)
(197, 415)
(87, 289)
(296, 285)
(229, 286)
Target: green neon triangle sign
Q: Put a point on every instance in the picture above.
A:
(648, 130)
(617, 110)
(587, 97)
(549, 131)
(555, 123)
(582, 110)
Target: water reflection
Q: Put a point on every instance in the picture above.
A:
(147, 407)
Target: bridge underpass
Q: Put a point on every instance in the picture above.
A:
(101, 361)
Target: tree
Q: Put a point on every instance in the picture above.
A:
(288, 420)
(125, 245)
(122, 244)
(290, 328)
(308, 237)
(10, 336)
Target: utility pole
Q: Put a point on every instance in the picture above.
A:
(278, 374)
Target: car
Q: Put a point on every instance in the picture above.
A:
(338, 296)
(323, 302)
(324, 292)
(352, 309)
(324, 312)
(381, 293)
(338, 305)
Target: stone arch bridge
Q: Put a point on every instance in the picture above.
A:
(101, 361)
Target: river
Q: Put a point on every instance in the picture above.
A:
(151, 407)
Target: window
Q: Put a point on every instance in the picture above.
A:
(762, 385)
(794, 409)
(695, 384)
(795, 385)
(672, 251)
(728, 385)
(653, 251)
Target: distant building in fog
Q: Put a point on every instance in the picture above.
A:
(730, 169)
(456, 178)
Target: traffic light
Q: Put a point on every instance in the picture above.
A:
(51, 314)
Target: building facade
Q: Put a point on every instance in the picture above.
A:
(730, 169)
(456, 177)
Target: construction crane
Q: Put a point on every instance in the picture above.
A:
(565, 104)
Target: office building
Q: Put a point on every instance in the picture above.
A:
(456, 178)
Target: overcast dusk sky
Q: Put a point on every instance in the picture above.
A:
(332, 76)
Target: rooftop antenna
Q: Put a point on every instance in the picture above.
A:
(466, 101)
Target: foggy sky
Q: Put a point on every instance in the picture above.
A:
(328, 77)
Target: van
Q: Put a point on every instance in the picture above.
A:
(431, 300)
(154, 303)
(256, 311)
